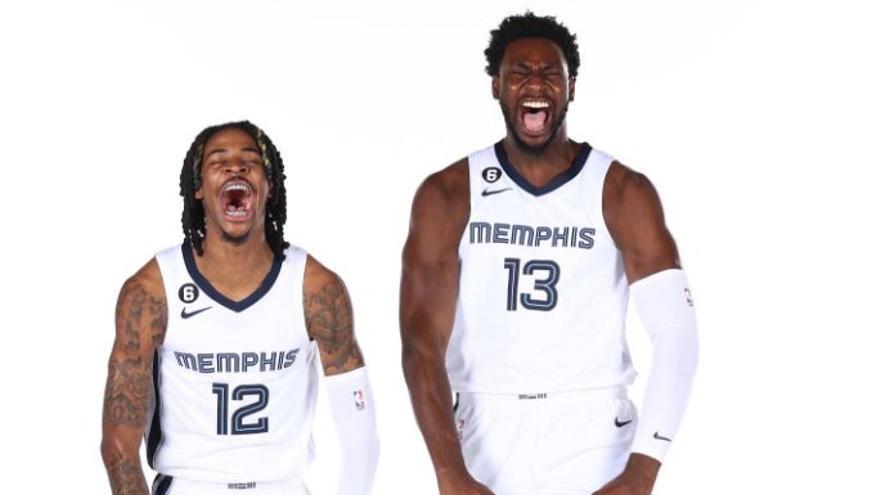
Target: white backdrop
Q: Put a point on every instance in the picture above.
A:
(756, 120)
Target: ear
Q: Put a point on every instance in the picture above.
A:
(199, 195)
(495, 85)
(571, 81)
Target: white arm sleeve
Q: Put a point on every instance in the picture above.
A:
(664, 304)
(354, 416)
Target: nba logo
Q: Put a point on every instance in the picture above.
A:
(359, 403)
(688, 297)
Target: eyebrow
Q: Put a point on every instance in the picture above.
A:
(540, 66)
(224, 150)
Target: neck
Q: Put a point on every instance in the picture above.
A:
(228, 263)
(541, 167)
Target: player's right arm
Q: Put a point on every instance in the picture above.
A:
(429, 287)
(141, 319)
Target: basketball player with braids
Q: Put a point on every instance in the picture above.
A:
(216, 341)
(516, 275)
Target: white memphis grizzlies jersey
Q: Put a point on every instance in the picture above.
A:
(542, 292)
(234, 382)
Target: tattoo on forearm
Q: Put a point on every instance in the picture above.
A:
(127, 396)
(129, 376)
(330, 322)
(126, 477)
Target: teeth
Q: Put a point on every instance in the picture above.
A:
(236, 186)
(236, 213)
(536, 104)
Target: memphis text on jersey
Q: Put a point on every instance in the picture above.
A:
(235, 362)
(525, 235)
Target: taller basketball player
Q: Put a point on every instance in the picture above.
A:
(216, 340)
(516, 275)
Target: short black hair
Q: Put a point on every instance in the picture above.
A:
(529, 25)
(193, 217)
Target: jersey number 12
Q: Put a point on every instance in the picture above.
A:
(238, 425)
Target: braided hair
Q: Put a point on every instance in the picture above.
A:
(193, 217)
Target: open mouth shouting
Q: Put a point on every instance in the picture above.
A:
(534, 115)
(236, 200)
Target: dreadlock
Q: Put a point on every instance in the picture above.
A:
(529, 25)
(193, 217)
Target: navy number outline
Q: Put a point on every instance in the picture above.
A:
(546, 285)
(239, 426)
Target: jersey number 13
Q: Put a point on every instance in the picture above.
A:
(545, 281)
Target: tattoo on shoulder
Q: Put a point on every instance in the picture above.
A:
(331, 323)
(158, 320)
(141, 320)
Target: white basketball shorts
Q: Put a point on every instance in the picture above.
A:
(546, 444)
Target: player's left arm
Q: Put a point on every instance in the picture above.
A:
(330, 323)
(662, 299)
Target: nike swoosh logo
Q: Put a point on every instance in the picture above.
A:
(658, 437)
(185, 315)
(487, 192)
(621, 424)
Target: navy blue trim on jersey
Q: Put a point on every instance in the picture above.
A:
(155, 437)
(576, 165)
(207, 288)
(161, 484)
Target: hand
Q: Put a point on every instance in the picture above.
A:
(636, 479)
(463, 486)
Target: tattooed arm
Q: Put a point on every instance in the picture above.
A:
(329, 319)
(330, 324)
(141, 319)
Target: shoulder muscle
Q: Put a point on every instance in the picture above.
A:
(634, 216)
(439, 213)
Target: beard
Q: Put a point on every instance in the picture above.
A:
(528, 148)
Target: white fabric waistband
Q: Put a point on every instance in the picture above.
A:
(569, 396)
(191, 487)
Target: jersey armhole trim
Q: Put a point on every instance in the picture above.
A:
(600, 200)
(299, 258)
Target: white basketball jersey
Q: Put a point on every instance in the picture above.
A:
(542, 293)
(234, 382)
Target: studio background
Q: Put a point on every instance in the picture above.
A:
(756, 120)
